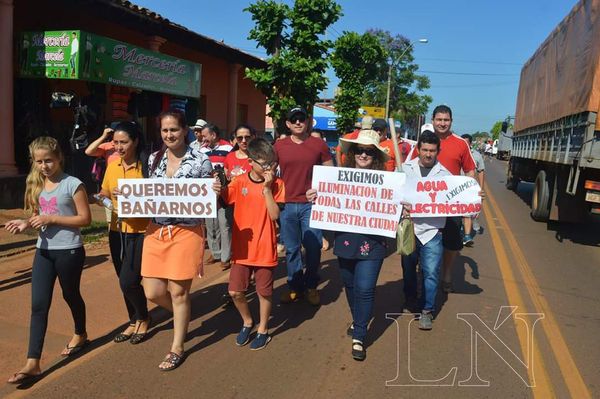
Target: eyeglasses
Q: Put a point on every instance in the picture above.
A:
(370, 152)
(297, 119)
(264, 166)
(243, 138)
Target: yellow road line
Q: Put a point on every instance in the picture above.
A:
(543, 386)
(568, 368)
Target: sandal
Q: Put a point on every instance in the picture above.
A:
(173, 359)
(22, 378)
(73, 350)
(137, 338)
(122, 337)
(358, 351)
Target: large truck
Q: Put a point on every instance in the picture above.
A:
(556, 141)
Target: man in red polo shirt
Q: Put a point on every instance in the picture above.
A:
(297, 155)
(455, 155)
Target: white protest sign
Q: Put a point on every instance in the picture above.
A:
(180, 198)
(358, 200)
(442, 196)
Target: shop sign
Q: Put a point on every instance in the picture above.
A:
(86, 56)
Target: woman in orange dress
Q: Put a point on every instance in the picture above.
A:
(174, 247)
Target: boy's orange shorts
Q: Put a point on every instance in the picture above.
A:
(239, 278)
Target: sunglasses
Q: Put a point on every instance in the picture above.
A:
(264, 166)
(370, 152)
(297, 119)
(243, 138)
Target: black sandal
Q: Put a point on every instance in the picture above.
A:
(137, 338)
(174, 361)
(22, 378)
(122, 337)
(73, 350)
(358, 351)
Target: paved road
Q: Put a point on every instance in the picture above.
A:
(549, 270)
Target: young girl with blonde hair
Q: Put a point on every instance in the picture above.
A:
(59, 207)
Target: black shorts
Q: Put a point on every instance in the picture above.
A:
(451, 237)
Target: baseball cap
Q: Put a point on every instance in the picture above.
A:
(296, 110)
(427, 126)
(200, 123)
(379, 124)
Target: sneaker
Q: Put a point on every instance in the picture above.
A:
(289, 296)
(426, 320)
(350, 330)
(479, 230)
(447, 287)
(468, 240)
(244, 336)
(260, 341)
(312, 296)
(358, 350)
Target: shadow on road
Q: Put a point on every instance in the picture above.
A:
(63, 361)
(578, 233)
(24, 275)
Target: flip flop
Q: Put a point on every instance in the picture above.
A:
(72, 350)
(25, 377)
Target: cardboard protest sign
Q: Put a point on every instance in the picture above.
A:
(180, 198)
(442, 196)
(358, 200)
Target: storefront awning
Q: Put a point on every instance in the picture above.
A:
(75, 54)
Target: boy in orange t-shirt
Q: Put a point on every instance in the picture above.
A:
(256, 196)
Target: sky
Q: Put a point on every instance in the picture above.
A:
(473, 57)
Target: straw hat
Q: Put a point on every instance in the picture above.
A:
(365, 137)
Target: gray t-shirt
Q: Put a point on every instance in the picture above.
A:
(60, 202)
(479, 164)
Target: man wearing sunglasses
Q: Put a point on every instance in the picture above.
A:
(297, 155)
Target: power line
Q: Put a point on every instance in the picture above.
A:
(471, 61)
(469, 73)
(476, 85)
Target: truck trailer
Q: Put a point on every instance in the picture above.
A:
(556, 141)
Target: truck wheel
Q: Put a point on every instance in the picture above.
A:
(540, 201)
(511, 181)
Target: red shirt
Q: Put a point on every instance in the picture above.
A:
(296, 161)
(236, 166)
(254, 239)
(454, 155)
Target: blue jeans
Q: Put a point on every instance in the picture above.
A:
(430, 258)
(360, 279)
(295, 233)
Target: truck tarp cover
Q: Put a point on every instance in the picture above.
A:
(563, 76)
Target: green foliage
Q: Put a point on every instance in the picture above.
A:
(295, 72)
(405, 100)
(495, 130)
(356, 63)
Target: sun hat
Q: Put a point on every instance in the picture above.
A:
(365, 137)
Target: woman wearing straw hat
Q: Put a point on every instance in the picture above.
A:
(360, 256)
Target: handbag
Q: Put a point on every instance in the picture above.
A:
(405, 237)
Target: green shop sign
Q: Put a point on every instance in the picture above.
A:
(81, 55)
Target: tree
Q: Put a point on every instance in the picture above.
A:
(292, 37)
(495, 130)
(405, 101)
(356, 63)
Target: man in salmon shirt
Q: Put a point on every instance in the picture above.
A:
(455, 155)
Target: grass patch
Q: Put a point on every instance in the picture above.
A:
(94, 232)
